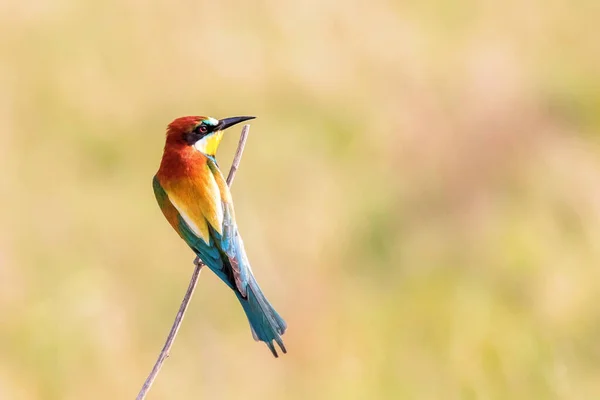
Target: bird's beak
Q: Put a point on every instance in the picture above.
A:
(227, 122)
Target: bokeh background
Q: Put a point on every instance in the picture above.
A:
(419, 197)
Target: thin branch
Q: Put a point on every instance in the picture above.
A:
(238, 154)
(174, 329)
(193, 282)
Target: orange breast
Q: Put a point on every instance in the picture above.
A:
(192, 189)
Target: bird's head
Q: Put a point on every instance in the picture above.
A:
(203, 133)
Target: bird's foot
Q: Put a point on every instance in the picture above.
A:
(198, 262)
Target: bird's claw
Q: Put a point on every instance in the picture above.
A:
(198, 262)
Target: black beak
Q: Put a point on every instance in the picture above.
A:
(227, 122)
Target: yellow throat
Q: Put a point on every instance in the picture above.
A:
(209, 143)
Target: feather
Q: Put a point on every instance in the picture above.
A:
(195, 198)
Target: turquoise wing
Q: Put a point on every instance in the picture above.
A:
(230, 242)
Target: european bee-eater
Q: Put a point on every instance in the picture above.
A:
(194, 197)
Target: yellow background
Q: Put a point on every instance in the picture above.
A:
(419, 197)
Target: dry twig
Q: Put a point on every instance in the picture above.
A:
(192, 286)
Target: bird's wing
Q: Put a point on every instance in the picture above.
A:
(229, 240)
(202, 214)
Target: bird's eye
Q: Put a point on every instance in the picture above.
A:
(203, 129)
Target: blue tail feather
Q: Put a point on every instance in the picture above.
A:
(266, 324)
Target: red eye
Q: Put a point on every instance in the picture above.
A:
(202, 129)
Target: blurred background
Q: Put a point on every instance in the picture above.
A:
(419, 197)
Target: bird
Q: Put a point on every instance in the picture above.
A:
(195, 199)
